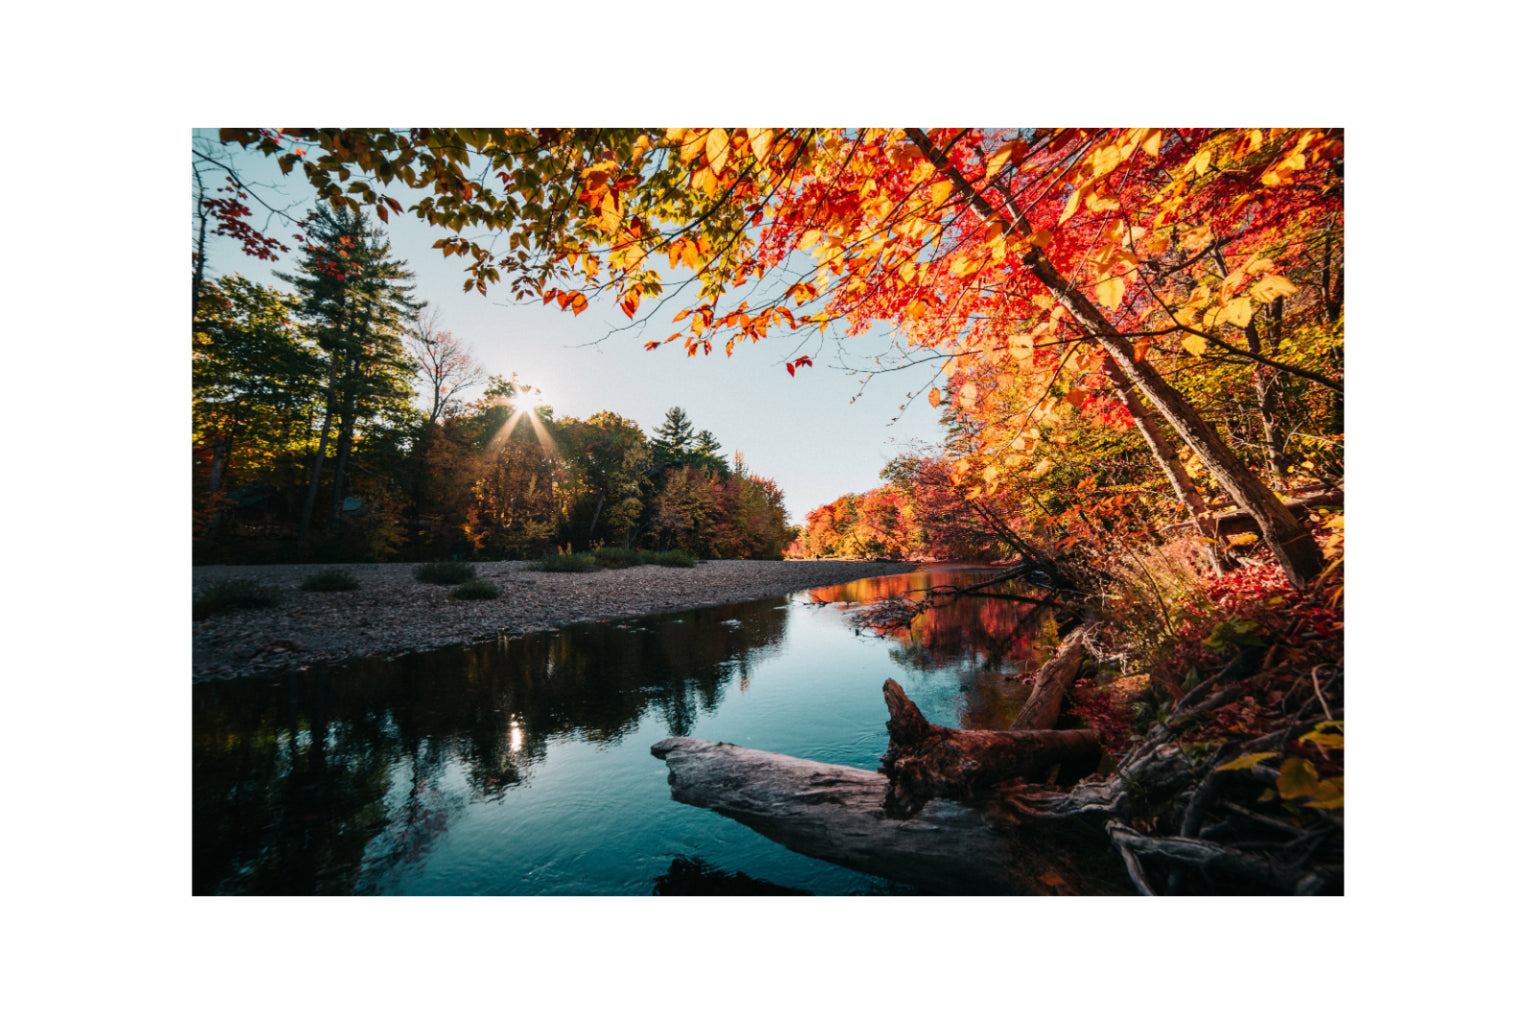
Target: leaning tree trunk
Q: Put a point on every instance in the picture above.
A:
(1168, 461)
(1293, 545)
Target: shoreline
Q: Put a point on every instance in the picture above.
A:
(392, 614)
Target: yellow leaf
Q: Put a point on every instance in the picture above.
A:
(939, 191)
(968, 396)
(990, 474)
(1040, 238)
(1268, 288)
(1111, 292)
(1246, 761)
(760, 139)
(1297, 779)
(1193, 345)
(1328, 794)
(717, 147)
(1153, 144)
(934, 398)
(1237, 312)
(1072, 202)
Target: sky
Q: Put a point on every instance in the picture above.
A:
(820, 433)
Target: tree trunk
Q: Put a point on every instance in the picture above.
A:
(1294, 548)
(1266, 388)
(1043, 707)
(1168, 461)
(325, 436)
(1292, 543)
(834, 813)
(343, 451)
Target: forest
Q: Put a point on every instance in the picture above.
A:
(310, 444)
(1135, 336)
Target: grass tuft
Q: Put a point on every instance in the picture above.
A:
(327, 580)
(229, 595)
(560, 562)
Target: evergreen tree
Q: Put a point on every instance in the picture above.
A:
(706, 453)
(358, 302)
(674, 440)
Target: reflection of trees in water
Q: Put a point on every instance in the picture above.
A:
(988, 643)
(325, 782)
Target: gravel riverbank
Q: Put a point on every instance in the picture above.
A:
(391, 613)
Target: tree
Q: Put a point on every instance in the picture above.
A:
(357, 301)
(674, 440)
(254, 388)
(442, 361)
(607, 458)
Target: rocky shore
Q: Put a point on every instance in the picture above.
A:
(392, 613)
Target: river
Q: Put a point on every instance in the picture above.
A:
(523, 766)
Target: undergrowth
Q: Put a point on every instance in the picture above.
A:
(231, 595)
(327, 580)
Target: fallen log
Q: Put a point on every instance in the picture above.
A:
(924, 761)
(836, 813)
(1043, 707)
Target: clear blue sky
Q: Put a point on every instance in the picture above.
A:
(806, 432)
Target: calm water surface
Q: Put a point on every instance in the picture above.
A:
(523, 767)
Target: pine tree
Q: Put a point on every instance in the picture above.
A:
(674, 440)
(358, 302)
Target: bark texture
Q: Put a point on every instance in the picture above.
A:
(836, 813)
(926, 761)
(1043, 707)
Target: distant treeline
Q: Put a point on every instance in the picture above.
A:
(307, 443)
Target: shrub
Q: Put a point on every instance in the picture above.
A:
(618, 558)
(476, 590)
(328, 580)
(445, 572)
(228, 595)
(558, 561)
(674, 559)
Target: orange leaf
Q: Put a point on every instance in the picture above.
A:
(934, 398)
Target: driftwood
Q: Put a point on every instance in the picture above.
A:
(1044, 704)
(836, 813)
(924, 760)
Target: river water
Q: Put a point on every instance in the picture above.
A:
(523, 766)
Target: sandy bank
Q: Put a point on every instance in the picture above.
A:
(392, 613)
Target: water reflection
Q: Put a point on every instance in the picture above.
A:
(522, 766)
(994, 643)
(326, 781)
